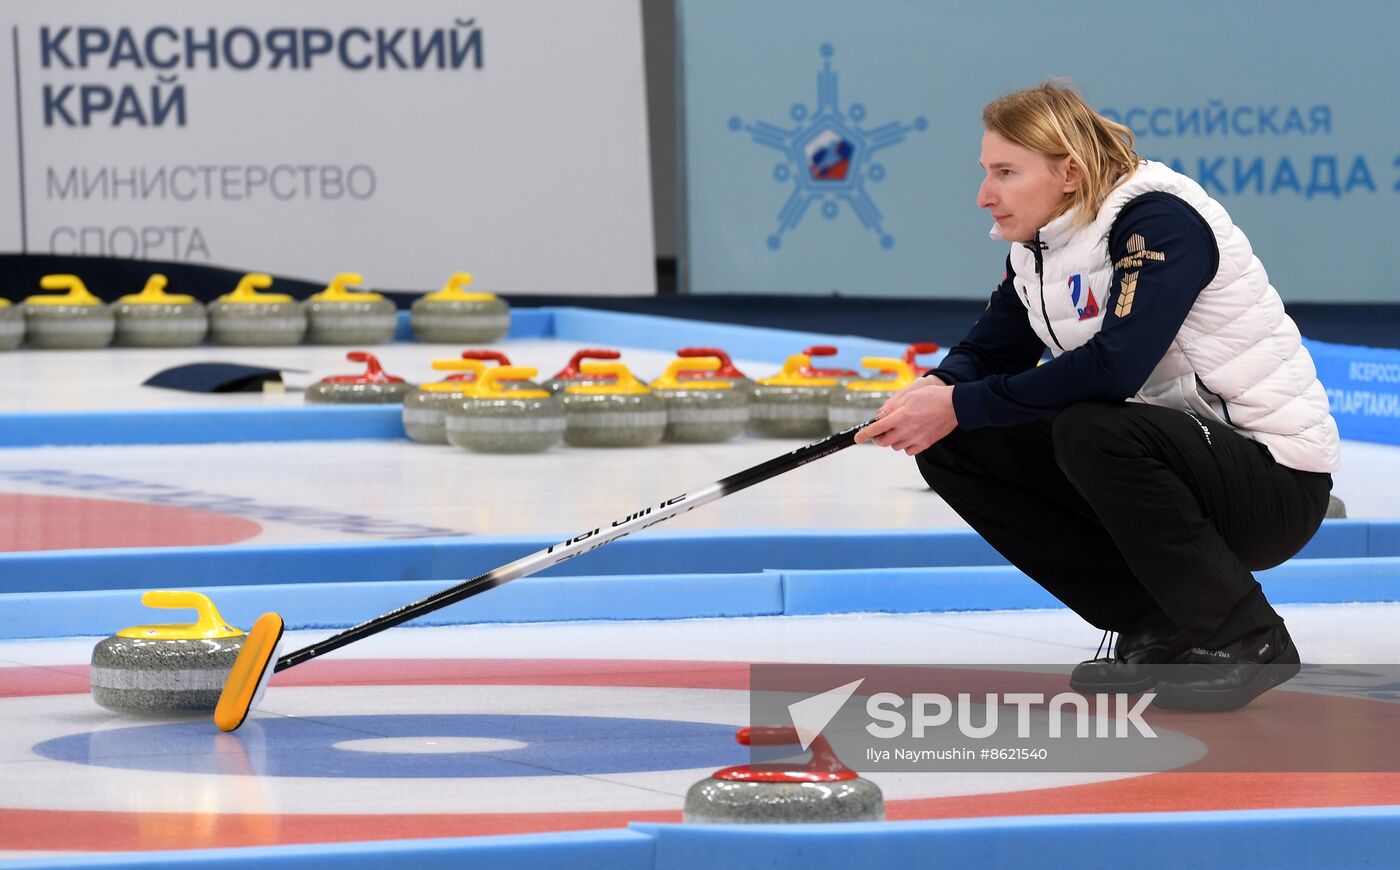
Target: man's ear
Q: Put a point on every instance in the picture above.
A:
(1074, 176)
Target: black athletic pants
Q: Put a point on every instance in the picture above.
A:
(1134, 515)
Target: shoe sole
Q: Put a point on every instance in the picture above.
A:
(1272, 674)
(1133, 688)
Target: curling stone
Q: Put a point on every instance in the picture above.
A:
(73, 320)
(725, 372)
(424, 409)
(840, 375)
(339, 315)
(859, 400)
(374, 387)
(154, 318)
(11, 325)
(916, 350)
(571, 375)
(620, 413)
(700, 410)
(247, 317)
(792, 403)
(1336, 509)
(454, 316)
(161, 669)
(502, 415)
(821, 790)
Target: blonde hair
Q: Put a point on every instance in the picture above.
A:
(1053, 120)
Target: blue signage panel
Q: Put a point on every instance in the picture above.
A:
(832, 147)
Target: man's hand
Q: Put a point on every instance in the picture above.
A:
(914, 419)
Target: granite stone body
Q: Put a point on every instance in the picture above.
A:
(502, 424)
(425, 412)
(613, 419)
(719, 801)
(704, 416)
(782, 411)
(182, 324)
(161, 677)
(256, 324)
(11, 325)
(357, 394)
(456, 321)
(68, 327)
(357, 322)
(850, 407)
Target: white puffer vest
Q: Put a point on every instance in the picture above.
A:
(1237, 359)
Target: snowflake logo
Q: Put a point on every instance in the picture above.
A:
(828, 157)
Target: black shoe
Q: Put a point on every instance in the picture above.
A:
(1215, 680)
(1135, 663)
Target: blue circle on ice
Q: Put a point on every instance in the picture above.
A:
(534, 746)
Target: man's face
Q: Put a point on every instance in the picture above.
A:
(1022, 189)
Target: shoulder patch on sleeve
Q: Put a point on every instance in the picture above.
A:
(1137, 254)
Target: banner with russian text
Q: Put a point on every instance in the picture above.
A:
(403, 142)
(833, 147)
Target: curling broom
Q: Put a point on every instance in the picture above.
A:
(257, 660)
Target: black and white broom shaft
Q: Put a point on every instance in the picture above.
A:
(578, 545)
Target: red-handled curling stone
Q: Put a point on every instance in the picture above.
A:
(840, 375)
(572, 374)
(916, 350)
(820, 790)
(373, 387)
(727, 371)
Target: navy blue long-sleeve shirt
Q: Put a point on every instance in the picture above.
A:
(994, 372)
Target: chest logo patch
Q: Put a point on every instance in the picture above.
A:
(1081, 296)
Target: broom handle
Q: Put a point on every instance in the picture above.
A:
(578, 545)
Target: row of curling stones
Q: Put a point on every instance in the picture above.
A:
(153, 670)
(821, 790)
(859, 400)
(75, 319)
(336, 315)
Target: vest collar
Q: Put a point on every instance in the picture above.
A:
(1052, 236)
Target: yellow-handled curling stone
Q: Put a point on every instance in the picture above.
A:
(339, 315)
(72, 320)
(504, 415)
(822, 789)
(248, 317)
(154, 670)
(154, 318)
(859, 400)
(621, 413)
(792, 403)
(700, 410)
(11, 325)
(454, 316)
(373, 387)
(425, 409)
